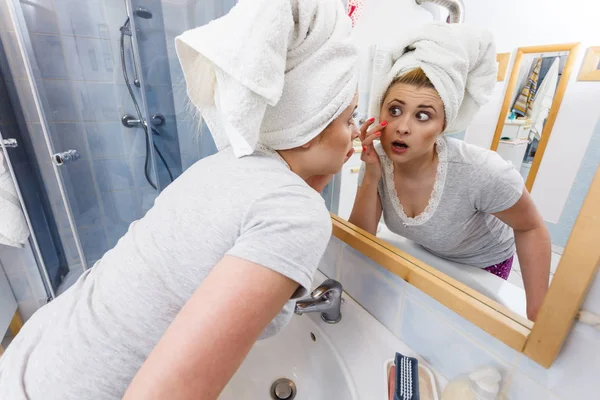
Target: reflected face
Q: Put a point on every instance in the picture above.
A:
(415, 117)
(335, 143)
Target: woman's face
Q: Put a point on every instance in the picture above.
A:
(333, 147)
(415, 118)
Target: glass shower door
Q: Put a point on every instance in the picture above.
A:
(100, 174)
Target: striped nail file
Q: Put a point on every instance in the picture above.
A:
(407, 378)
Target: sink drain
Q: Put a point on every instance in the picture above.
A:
(283, 389)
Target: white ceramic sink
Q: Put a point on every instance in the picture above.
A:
(314, 366)
(345, 361)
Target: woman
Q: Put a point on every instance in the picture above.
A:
(173, 309)
(457, 200)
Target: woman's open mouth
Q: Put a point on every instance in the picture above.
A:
(399, 147)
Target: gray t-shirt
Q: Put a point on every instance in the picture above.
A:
(471, 184)
(90, 342)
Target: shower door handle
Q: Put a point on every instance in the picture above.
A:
(10, 142)
(65, 157)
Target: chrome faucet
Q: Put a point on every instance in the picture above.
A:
(326, 299)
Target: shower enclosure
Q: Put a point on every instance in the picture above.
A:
(104, 115)
(105, 121)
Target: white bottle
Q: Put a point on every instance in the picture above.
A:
(482, 384)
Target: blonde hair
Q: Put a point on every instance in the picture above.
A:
(415, 77)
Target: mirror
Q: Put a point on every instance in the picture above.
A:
(533, 98)
(523, 133)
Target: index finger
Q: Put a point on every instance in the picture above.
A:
(364, 127)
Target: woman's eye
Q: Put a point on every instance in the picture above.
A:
(395, 111)
(423, 116)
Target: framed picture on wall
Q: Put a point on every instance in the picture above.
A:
(590, 69)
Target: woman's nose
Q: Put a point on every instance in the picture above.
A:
(403, 126)
(355, 132)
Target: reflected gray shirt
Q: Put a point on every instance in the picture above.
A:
(90, 342)
(471, 184)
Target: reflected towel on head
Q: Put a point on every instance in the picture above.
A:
(458, 59)
(274, 72)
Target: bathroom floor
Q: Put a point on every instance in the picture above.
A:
(516, 278)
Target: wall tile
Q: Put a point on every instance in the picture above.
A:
(15, 60)
(89, 58)
(136, 164)
(134, 142)
(97, 101)
(49, 56)
(520, 387)
(70, 135)
(27, 101)
(61, 101)
(446, 349)
(83, 195)
(330, 261)
(126, 105)
(40, 16)
(73, 19)
(470, 330)
(177, 77)
(94, 242)
(570, 375)
(146, 197)
(378, 291)
(113, 174)
(175, 19)
(188, 159)
(116, 14)
(120, 206)
(106, 139)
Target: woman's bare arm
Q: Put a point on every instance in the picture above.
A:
(366, 211)
(533, 249)
(213, 333)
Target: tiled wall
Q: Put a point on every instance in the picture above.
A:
(76, 60)
(454, 346)
(194, 136)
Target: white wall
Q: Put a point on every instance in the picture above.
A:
(516, 24)
(453, 346)
(381, 22)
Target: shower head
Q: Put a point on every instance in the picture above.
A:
(143, 13)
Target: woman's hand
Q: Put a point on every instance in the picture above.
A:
(369, 156)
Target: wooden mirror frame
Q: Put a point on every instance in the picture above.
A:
(541, 341)
(572, 48)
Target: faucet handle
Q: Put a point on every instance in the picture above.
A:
(327, 286)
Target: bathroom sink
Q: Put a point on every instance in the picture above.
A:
(324, 361)
(301, 353)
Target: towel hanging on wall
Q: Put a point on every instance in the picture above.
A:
(13, 227)
(524, 102)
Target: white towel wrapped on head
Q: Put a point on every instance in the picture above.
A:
(274, 72)
(458, 59)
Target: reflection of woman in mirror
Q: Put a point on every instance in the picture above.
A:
(459, 201)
